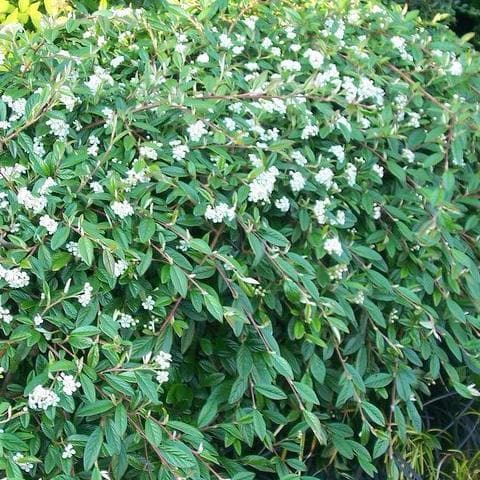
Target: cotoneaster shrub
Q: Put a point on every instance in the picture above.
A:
(236, 242)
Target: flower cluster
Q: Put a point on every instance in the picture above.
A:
(163, 361)
(41, 398)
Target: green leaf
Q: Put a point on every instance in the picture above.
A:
(378, 380)
(95, 408)
(238, 389)
(177, 454)
(306, 393)
(259, 424)
(213, 305)
(153, 432)
(373, 413)
(200, 246)
(314, 423)
(92, 448)
(282, 366)
(59, 237)
(270, 391)
(179, 280)
(207, 413)
(148, 388)
(146, 229)
(85, 250)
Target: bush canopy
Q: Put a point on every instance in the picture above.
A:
(236, 241)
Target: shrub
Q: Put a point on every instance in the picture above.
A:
(235, 242)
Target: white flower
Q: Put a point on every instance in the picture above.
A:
(49, 223)
(290, 32)
(250, 22)
(320, 209)
(337, 272)
(86, 297)
(325, 177)
(297, 181)
(47, 185)
(366, 89)
(5, 315)
(72, 247)
(254, 160)
(314, 57)
(266, 43)
(290, 65)
(359, 298)
(219, 213)
(68, 451)
(38, 148)
(230, 124)
(115, 62)
(96, 187)
(333, 246)
(338, 151)
(329, 75)
(261, 188)
(19, 459)
(126, 321)
(400, 44)
(203, 58)
(339, 218)
(69, 101)
(4, 125)
(456, 68)
(196, 131)
(162, 376)
(69, 384)
(37, 320)
(414, 120)
(309, 131)
(299, 158)
(408, 155)
(17, 106)
(365, 123)
(120, 268)
(148, 303)
(94, 143)
(30, 201)
(109, 116)
(225, 41)
(377, 212)
(100, 77)
(122, 209)
(163, 360)
(4, 202)
(283, 204)
(42, 398)
(59, 128)
(179, 151)
(351, 174)
(16, 278)
(379, 170)
(148, 152)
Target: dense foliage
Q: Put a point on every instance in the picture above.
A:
(236, 241)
